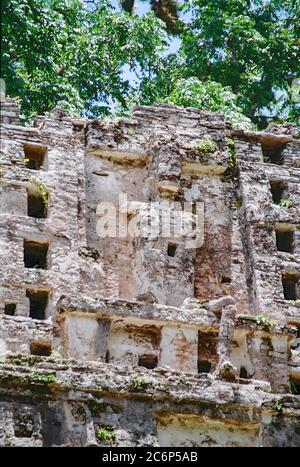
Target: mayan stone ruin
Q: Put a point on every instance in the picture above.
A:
(139, 340)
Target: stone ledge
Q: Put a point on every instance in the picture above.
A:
(189, 315)
(106, 308)
(19, 321)
(42, 376)
(254, 323)
(263, 136)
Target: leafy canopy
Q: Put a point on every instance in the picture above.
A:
(238, 57)
(250, 45)
(210, 96)
(58, 53)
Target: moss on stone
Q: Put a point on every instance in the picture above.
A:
(43, 378)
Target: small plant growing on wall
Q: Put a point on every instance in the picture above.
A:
(206, 146)
(237, 203)
(105, 433)
(42, 190)
(232, 153)
(43, 378)
(96, 408)
(293, 387)
(278, 405)
(264, 320)
(139, 384)
(286, 202)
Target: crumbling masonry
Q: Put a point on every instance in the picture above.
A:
(130, 341)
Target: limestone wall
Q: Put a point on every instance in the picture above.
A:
(144, 337)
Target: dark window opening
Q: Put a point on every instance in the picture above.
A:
(295, 386)
(204, 366)
(23, 425)
(35, 254)
(107, 357)
(34, 156)
(207, 351)
(172, 247)
(284, 240)
(289, 287)
(225, 280)
(272, 150)
(243, 373)
(277, 190)
(148, 361)
(38, 300)
(36, 206)
(10, 309)
(40, 348)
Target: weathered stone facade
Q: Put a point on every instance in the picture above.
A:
(140, 341)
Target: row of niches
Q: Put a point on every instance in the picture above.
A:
(150, 346)
(110, 422)
(36, 158)
(37, 204)
(35, 155)
(35, 256)
(187, 349)
(39, 299)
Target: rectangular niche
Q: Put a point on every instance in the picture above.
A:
(207, 351)
(278, 189)
(171, 251)
(290, 284)
(35, 205)
(24, 417)
(38, 301)
(42, 349)
(284, 239)
(35, 254)
(272, 149)
(10, 309)
(35, 156)
(148, 361)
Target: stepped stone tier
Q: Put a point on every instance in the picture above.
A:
(147, 340)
